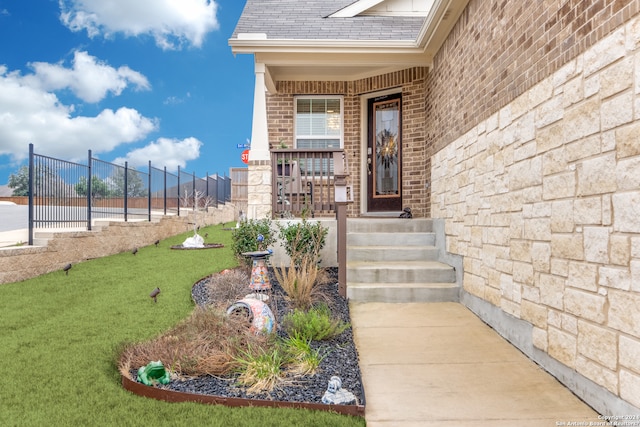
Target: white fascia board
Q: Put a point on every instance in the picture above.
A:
(324, 46)
(355, 9)
(443, 16)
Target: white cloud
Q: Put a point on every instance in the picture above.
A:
(174, 100)
(89, 79)
(172, 23)
(165, 152)
(29, 114)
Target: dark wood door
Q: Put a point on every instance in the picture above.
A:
(384, 154)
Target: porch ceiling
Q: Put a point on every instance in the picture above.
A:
(338, 66)
(297, 59)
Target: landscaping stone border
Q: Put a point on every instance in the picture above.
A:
(177, 396)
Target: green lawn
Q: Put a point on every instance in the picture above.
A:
(60, 335)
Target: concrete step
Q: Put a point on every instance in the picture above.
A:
(394, 239)
(402, 292)
(400, 272)
(395, 260)
(388, 225)
(392, 253)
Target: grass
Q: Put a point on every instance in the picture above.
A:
(60, 337)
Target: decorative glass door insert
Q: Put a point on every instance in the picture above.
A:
(384, 153)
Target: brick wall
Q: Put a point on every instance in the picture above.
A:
(281, 123)
(499, 49)
(542, 196)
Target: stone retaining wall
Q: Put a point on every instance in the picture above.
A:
(542, 199)
(107, 238)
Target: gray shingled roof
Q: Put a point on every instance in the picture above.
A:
(308, 20)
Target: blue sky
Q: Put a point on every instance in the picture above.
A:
(133, 80)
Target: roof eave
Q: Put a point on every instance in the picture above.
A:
(257, 45)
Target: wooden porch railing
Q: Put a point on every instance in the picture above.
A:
(303, 182)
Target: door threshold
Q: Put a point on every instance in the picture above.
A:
(387, 214)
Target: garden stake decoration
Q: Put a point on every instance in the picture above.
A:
(154, 294)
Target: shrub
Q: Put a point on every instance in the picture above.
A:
(245, 237)
(303, 240)
(315, 324)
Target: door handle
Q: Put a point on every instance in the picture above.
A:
(369, 165)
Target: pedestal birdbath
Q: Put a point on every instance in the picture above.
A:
(259, 273)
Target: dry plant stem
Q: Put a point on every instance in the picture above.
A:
(230, 286)
(208, 342)
(300, 283)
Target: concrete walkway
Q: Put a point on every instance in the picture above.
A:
(437, 364)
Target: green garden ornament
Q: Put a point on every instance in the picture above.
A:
(153, 373)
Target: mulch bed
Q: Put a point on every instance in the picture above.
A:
(303, 391)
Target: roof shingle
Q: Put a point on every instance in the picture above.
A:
(308, 20)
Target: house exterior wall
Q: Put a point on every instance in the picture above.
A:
(280, 118)
(536, 171)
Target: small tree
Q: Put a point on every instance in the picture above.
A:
(135, 184)
(20, 182)
(99, 188)
(46, 182)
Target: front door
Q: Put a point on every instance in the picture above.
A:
(384, 156)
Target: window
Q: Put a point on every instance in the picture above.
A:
(318, 122)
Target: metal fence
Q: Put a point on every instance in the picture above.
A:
(67, 194)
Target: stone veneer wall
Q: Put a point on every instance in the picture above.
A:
(499, 49)
(411, 82)
(542, 198)
(259, 189)
(107, 238)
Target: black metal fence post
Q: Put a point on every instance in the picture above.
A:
(31, 194)
(178, 190)
(126, 190)
(165, 190)
(149, 192)
(193, 191)
(89, 189)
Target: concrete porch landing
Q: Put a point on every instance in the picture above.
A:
(437, 364)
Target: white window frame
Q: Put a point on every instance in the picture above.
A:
(295, 119)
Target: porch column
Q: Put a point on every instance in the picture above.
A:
(259, 179)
